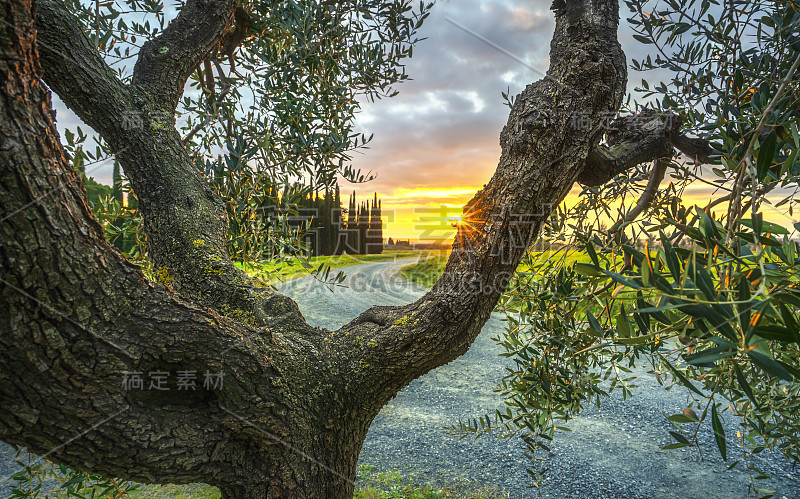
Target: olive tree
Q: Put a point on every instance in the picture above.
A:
(297, 400)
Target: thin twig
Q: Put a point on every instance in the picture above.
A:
(646, 199)
(733, 211)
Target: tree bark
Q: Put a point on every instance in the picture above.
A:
(185, 221)
(647, 136)
(297, 400)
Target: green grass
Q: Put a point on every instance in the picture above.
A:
(396, 485)
(190, 491)
(371, 485)
(427, 270)
(289, 269)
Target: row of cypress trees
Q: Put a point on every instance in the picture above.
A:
(327, 228)
(334, 230)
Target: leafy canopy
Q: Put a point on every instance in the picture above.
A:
(274, 118)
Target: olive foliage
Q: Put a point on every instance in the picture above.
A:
(704, 296)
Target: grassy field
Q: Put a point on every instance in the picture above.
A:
(428, 269)
(372, 485)
(191, 491)
(397, 485)
(281, 271)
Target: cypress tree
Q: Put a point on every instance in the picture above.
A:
(363, 228)
(116, 190)
(376, 228)
(326, 223)
(336, 223)
(352, 227)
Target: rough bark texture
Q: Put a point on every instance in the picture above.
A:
(185, 220)
(297, 401)
(633, 140)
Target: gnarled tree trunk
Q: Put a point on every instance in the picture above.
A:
(296, 401)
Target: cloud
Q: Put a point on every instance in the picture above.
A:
(442, 131)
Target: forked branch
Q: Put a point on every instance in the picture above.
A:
(633, 140)
(167, 61)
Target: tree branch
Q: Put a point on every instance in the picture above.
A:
(214, 111)
(632, 140)
(74, 69)
(167, 61)
(185, 220)
(647, 197)
(77, 317)
(699, 150)
(540, 161)
(637, 139)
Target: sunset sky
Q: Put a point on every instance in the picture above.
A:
(437, 142)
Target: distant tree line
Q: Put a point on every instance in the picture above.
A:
(315, 214)
(333, 230)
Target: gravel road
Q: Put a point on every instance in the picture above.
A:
(612, 451)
